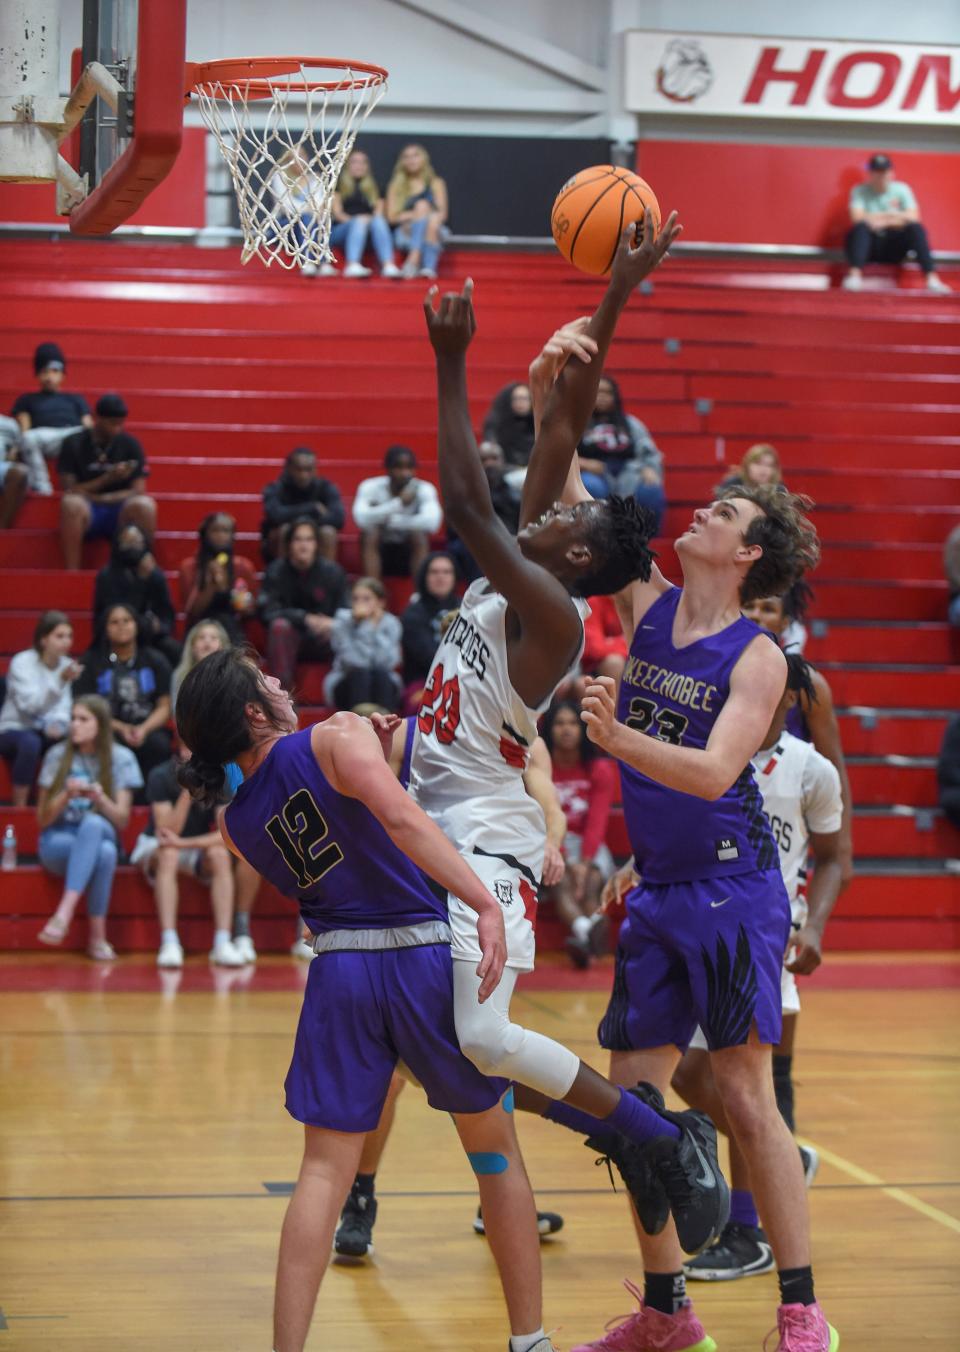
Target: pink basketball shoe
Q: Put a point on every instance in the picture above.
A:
(649, 1330)
(803, 1328)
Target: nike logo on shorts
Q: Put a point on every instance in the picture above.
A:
(715, 904)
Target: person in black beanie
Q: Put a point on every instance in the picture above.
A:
(300, 492)
(299, 596)
(41, 420)
(133, 576)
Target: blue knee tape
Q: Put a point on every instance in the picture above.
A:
(487, 1162)
(506, 1102)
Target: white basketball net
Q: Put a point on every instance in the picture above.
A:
(285, 175)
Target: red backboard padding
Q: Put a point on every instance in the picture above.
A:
(729, 193)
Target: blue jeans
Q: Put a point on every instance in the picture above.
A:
(650, 496)
(351, 236)
(411, 238)
(84, 854)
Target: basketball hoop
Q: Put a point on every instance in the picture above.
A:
(285, 176)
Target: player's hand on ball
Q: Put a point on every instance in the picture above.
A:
(493, 946)
(452, 324)
(807, 955)
(635, 261)
(554, 864)
(599, 709)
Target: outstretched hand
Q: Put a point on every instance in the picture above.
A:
(452, 324)
(569, 341)
(385, 725)
(631, 264)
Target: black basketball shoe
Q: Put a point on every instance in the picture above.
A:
(741, 1251)
(548, 1223)
(354, 1237)
(689, 1173)
(647, 1192)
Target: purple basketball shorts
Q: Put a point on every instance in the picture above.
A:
(707, 953)
(364, 1011)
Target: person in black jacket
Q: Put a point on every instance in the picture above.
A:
(436, 593)
(300, 493)
(948, 772)
(298, 598)
(506, 504)
(134, 577)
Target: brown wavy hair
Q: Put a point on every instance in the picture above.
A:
(787, 537)
(100, 709)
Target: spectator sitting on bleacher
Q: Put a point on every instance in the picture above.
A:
(885, 227)
(103, 474)
(299, 193)
(586, 785)
(209, 636)
(14, 480)
(216, 583)
(760, 465)
(36, 708)
(948, 772)
(41, 420)
(396, 513)
(299, 597)
(509, 422)
(951, 568)
(357, 212)
(87, 783)
(134, 679)
(182, 837)
(506, 504)
(417, 207)
(618, 454)
(300, 492)
(436, 594)
(134, 577)
(366, 652)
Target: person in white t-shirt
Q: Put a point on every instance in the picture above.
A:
(397, 513)
(803, 802)
(885, 226)
(36, 709)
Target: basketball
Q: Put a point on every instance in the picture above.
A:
(593, 209)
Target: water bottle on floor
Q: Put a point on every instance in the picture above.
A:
(8, 862)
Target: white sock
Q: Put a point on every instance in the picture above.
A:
(169, 937)
(522, 1342)
(582, 926)
(220, 937)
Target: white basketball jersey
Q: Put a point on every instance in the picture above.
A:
(801, 793)
(474, 734)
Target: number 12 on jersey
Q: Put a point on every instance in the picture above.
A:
(298, 831)
(440, 707)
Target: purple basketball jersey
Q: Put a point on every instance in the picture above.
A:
(676, 695)
(325, 851)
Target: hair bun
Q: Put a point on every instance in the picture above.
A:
(205, 781)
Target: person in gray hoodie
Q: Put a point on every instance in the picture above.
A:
(366, 652)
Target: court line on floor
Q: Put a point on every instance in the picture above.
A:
(892, 1190)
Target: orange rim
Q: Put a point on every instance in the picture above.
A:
(255, 75)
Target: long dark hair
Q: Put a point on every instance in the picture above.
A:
(212, 719)
(616, 414)
(101, 643)
(206, 551)
(587, 750)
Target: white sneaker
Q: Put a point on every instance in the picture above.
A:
(410, 268)
(170, 955)
(244, 946)
(852, 282)
(224, 954)
(356, 270)
(937, 285)
(301, 949)
(390, 270)
(308, 270)
(429, 273)
(328, 270)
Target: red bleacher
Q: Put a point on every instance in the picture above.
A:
(226, 368)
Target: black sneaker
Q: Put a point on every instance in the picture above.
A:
(548, 1223)
(810, 1161)
(354, 1237)
(578, 950)
(690, 1173)
(741, 1251)
(647, 1192)
(599, 939)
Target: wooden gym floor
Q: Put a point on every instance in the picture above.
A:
(146, 1155)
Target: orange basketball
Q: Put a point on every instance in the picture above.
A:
(592, 211)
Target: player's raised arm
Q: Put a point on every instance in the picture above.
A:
(569, 384)
(756, 687)
(551, 627)
(349, 753)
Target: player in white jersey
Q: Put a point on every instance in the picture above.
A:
(518, 633)
(803, 801)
